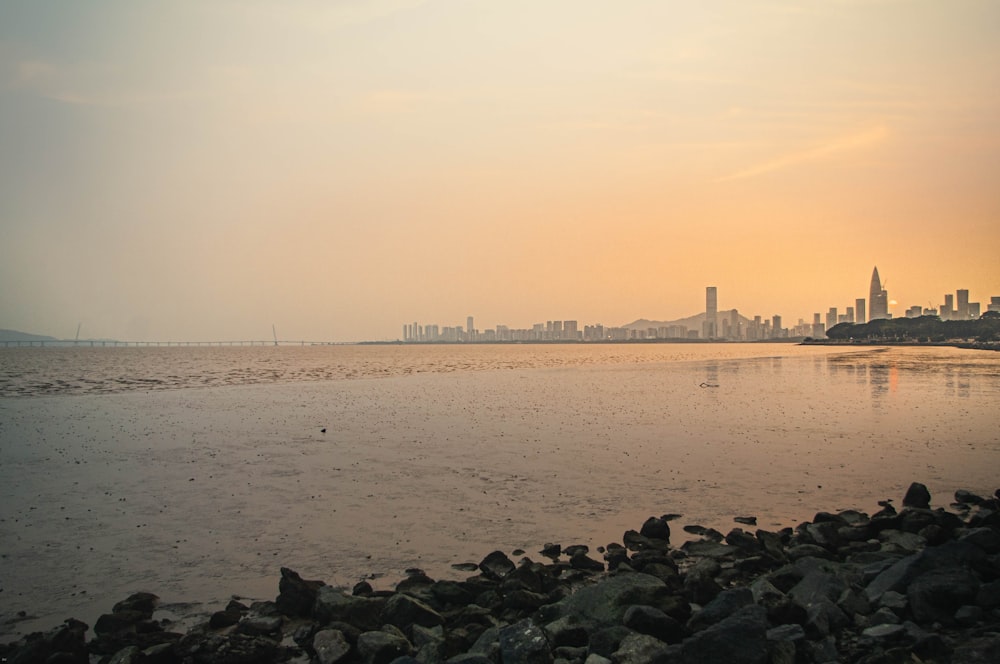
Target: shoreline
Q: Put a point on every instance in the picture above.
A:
(923, 581)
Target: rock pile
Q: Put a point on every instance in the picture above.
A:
(917, 585)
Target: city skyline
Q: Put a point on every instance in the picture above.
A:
(735, 325)
(338, 168)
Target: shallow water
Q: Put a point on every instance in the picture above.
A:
(197, 473)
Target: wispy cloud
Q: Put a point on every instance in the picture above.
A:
(848, 143)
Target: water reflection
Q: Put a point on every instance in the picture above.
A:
(908, 368)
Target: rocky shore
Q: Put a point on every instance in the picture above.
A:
(918, 584)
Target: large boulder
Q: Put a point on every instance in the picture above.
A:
(606, 601)
(917, 496)
(739, 639)
(402, 611)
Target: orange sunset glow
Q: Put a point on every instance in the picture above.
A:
(203, 170)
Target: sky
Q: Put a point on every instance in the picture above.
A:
(205, 169)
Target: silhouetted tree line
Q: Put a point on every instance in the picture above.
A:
(923, 328)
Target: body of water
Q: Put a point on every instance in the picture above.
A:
(195, 473)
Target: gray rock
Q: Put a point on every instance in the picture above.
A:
(884, 616)
(569, 631)
(606, 601)
(641, 649)
(791, 633)
(378, 647)
(886, 632)
(330, 646)
(260, 625)
(488, 643)
(524, 643)
(335, 605)
(403, 610)
(594, 658)
(895, 602)
(128, 655)
(968, 615)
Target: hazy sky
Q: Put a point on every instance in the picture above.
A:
(204, 169)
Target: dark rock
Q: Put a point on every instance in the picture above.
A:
(654, 622)
(582, 561)
(260, 625)
(982, 650)
(635, 541)
(334, 605)
(379, 647)
(607, 600)
(524, 642)
(917, 496)
(402, 611)
(739, 639)
(936, 595)
(968, 615)
(569, 631)
(221, 619)
(742, 540)
(128, 655)
(655, 528)
(330, 646)
(496, 566)
(296, 596)
(724, 605)
(142, 603)
(470, 658)
(746, 520)
(551, 550)
(967, 497)
(988, 597)
(883, 633)
(574, 549)
(605, 642)
(987, 539)
(451, 593)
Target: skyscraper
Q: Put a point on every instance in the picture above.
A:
(710, 326)
(962, 304)
(859, 310)
(878, 298)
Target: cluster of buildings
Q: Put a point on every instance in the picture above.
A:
(724, 326)
(955, 307)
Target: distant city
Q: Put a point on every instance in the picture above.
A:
(712, 324)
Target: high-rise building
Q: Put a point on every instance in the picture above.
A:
(470, 330)
(948, 308)
(878, 298)
(831, 317)
(776, 329)
(859, 310)
(570, 330)
(849, 315)
(962, 304)
(710, 326)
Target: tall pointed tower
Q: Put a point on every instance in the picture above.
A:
(878, 298)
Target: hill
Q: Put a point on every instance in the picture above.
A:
(14, 335)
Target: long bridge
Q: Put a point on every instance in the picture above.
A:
(113, 343)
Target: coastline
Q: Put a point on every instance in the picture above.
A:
(919, 583)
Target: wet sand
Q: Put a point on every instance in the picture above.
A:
(198, 494)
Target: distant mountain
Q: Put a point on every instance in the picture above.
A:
(14, 335)
(691, 322)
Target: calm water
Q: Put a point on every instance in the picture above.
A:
(195, 473)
